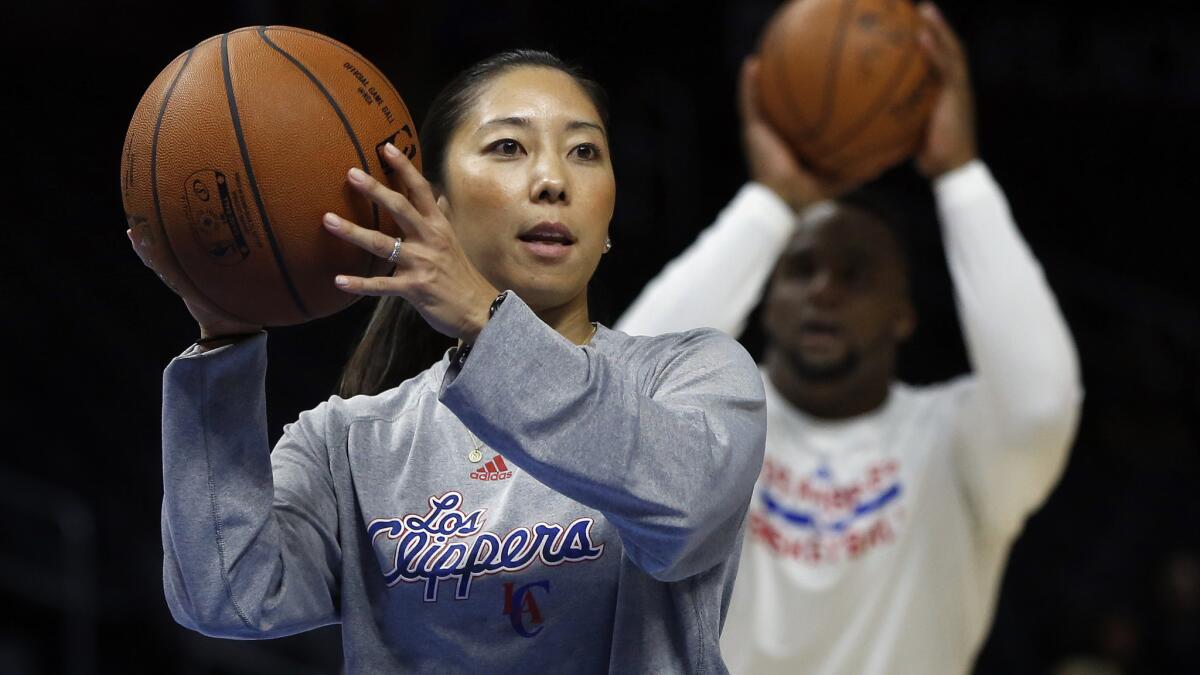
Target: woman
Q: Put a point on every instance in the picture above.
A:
(549, 496)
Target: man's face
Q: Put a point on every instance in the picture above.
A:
(838, 295)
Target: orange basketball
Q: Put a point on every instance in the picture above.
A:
(236, 151)
(846, 83)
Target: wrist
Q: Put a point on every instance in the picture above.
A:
(210, 341)
(216, 334)
(467, 339)
(796, 202)
(213, 331)
(481, 310)
(472, 326)
(950, 165)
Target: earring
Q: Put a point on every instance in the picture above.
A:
(607, 244)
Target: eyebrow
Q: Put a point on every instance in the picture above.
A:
(524, 122)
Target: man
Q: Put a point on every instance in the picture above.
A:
(884, 513)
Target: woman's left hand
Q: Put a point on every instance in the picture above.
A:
(432, 271)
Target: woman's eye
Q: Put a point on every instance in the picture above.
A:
(507, 147)
(587, 151)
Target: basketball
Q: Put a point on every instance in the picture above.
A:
(235, 152)
(846, 84)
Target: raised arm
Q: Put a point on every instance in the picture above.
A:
(1021, 410)
(249, 536)
(666, 441)
(720, 278)
(717, 281)
(250, 539)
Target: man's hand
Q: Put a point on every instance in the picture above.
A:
(950, 135)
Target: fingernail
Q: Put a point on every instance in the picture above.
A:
(332, 221)
(391, 150)
(341, 281)
(357, 175)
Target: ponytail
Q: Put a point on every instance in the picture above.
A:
(396, 346)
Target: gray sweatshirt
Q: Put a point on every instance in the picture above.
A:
(597, 532)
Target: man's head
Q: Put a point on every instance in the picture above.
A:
(838, 303)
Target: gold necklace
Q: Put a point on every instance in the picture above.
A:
(476, 454)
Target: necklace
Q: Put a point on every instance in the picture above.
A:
(476, 454)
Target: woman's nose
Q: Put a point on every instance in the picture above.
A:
(548, 184)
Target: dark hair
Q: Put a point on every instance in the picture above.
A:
(397, 343)
(450, 106)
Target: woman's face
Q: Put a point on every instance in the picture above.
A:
(529, 187)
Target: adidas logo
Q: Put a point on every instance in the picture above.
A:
(495, 469)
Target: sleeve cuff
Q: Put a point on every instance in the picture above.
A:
(772, 212)
(194, 350)
(964, 184)
(513, 341)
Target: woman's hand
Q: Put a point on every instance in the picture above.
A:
(772, 162)
(950, 137)
(213, 322)
(432, 271)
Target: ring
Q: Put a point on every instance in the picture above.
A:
(395, 251)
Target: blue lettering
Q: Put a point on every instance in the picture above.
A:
(577, 542)
(426, 550)
(516, 552)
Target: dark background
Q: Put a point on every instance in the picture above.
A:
(1087, 117)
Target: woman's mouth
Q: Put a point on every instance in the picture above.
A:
(547, 240)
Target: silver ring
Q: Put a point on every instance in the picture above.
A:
(395, 251)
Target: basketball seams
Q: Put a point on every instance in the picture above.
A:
(797, 16)
(774, 72)
(198, 111)
(366, 64)
(882, 149)
(831, 81)
(337, 109)
(317, 36)
(168, 246)
(848, 154)
(879, 105)
(364, 61)
(227, 74)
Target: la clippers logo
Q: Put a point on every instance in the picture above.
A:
(521, 602)
(425, 548)
(496, 469)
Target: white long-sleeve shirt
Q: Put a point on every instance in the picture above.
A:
(876, 544)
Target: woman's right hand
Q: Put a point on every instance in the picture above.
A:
(212, 321)
(772, 162)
